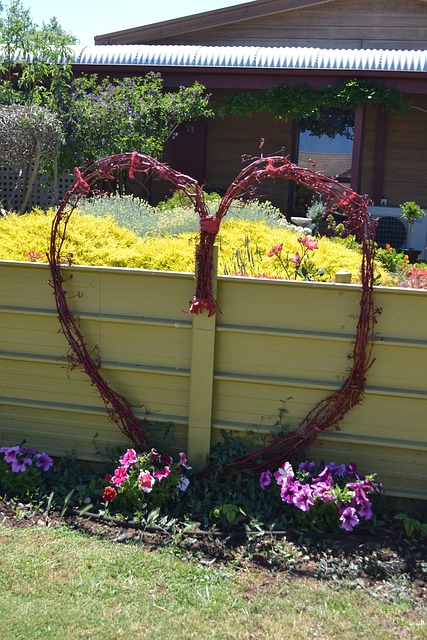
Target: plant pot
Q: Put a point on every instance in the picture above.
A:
(413, 255)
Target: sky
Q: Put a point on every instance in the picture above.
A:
(85, 19)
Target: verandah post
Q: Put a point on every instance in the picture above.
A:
(201, 380)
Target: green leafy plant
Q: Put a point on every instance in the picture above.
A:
(392, 259)
(114, 115)
(411, 525)
(411, 212)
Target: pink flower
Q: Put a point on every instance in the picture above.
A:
(183, 461)
(128, 458)
(120, 475)
(265, 479)
(275, 251)
(296, 259)
(33, 256)
(284, 474)
(146, 481)
(159, 475)
(309, 243)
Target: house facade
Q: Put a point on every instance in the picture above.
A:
(265, 43)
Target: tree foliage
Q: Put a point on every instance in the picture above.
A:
(35, 60)
(115, 116)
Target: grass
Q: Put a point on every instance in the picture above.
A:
(59, 583)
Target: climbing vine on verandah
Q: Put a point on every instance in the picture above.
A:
(328, 413)
(328, 110)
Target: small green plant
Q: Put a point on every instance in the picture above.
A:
(411, 212)
(228, 513)
(316, 209)
(411, 525)
(391, 259)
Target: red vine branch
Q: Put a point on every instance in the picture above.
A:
(90, 182)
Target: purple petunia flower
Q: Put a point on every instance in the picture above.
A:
(44, 461)
(322, 490)
(183, 483)
(349, 519)
(288, 491)
(21, 464)
(265, 479)
(303, 499)
(307, 466)
(10, 453)
(365, 510)
(337, 469)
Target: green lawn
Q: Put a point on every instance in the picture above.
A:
(62, 584)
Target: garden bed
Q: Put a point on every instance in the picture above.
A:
(383, 561)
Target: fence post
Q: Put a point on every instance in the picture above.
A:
(201, 381)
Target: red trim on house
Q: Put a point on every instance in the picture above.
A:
(239, 78)
(356, 164)
(377, 187)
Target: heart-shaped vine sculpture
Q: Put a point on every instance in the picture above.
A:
(328, 413)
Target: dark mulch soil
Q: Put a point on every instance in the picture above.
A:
(385, 562)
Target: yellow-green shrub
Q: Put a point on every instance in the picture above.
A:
(243, 245)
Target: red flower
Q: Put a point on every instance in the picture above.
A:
(309, 243)
(275, 250)
(109, 494)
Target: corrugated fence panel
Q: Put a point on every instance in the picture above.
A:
(275, 342)
(139, 326)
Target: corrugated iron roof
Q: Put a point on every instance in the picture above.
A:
(252, 57)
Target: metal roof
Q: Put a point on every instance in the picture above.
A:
(229, 57)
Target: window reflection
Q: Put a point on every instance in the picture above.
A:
(331, 155)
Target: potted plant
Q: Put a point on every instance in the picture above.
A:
(411, 212)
